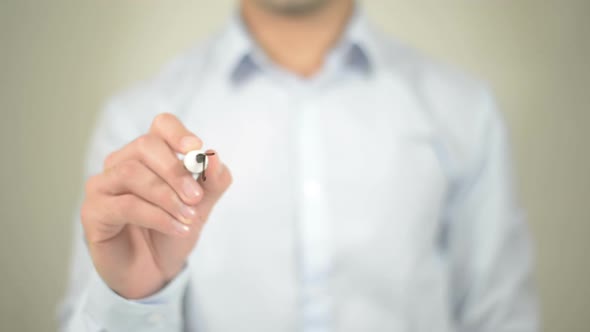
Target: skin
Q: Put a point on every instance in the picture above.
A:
(142, 216)
(297, 34)
(293, 7)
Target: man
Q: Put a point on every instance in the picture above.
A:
(370, 190)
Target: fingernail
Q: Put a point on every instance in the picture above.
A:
(180, 228)
(188, 143)
(189, 214)
(191, 188)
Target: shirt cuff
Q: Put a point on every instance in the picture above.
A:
(159, 312)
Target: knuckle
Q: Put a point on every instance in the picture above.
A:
(143, 143)
(90, 217)
(146, 145)
(91, 184)
(109, 160)
(161, 119)
(172, 169)
(125, 204)
(151, 180)
(128, 169)
(162, 221)
(167, 198)
(85, 213)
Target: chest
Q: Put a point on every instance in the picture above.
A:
(370, 151)
(359, 161)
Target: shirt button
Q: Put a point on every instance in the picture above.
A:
(155, 318)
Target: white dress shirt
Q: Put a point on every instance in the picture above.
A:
(374, 196)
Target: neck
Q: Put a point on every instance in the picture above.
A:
(298, 43)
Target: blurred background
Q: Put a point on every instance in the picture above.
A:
(60, 60)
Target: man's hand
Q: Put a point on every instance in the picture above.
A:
(143, 215)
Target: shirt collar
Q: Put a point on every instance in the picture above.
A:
(241, 57)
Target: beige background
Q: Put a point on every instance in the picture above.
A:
(59, 60)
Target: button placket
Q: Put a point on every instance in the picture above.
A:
(314, 223)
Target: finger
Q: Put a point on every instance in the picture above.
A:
(104, 216)
(152, 151)
(131, 210)
(218, 180)
(175, 134)
(133, 177)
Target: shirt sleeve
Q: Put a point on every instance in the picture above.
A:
(162, 311)
(89, 304)
(98, 308)
(488, 240)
